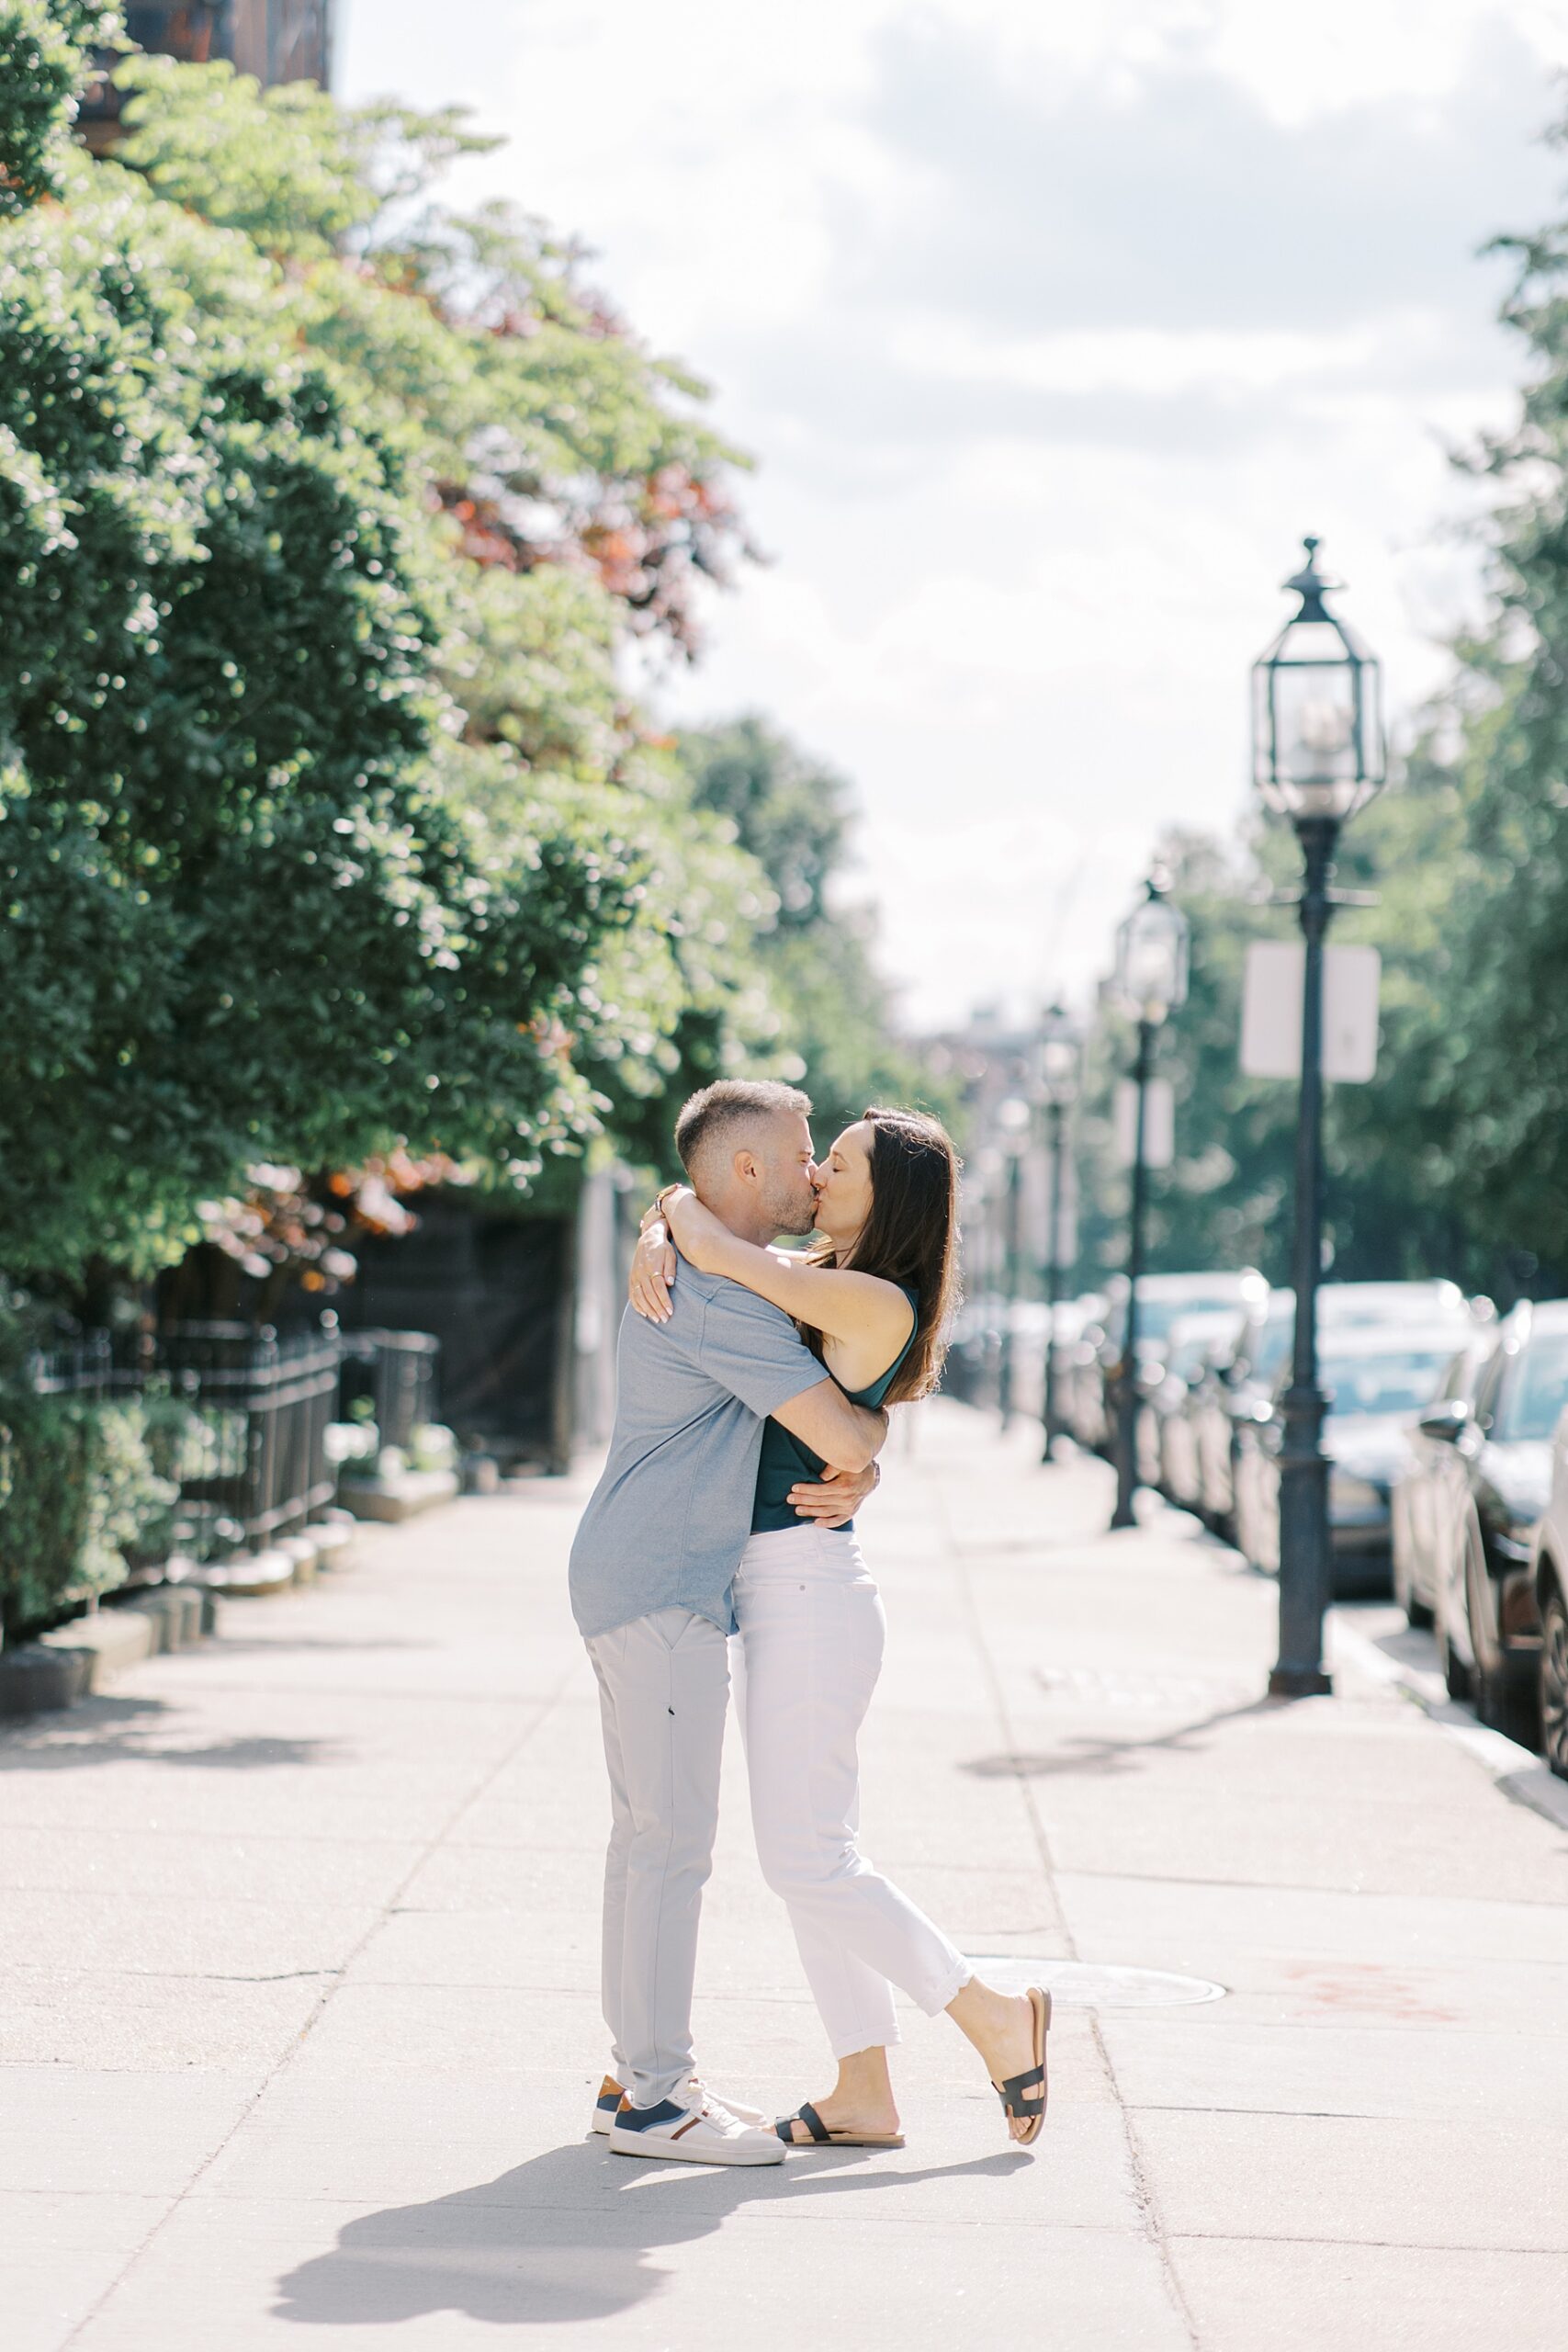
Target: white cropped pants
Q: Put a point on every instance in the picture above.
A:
(806, 1661)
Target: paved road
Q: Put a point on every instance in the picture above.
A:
(299, 1932)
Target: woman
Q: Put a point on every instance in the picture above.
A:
(873, 1299)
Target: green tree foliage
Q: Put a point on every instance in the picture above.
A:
(1500, 1002)
(543, 427)
(579, 497)
(833, 1018)
(242, 919)
(273, 891)
(44, 53)
(327, 823)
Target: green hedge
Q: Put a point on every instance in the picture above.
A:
(81, 1498)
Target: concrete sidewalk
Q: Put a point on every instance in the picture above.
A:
(299, 1938)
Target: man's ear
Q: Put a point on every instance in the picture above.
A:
(744, 1167)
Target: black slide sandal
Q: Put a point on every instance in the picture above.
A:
(823, 2136)
(1025, 2094)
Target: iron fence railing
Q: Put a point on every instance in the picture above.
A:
(84, 1368)
(394, 1374)
(238, 1418)
(257, 1468)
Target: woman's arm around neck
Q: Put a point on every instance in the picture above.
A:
(860, 1310)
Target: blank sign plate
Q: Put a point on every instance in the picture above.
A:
(1087, 1984)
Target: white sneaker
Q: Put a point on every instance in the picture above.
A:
(693, 2135)
(702, 2096)
(611, 2094)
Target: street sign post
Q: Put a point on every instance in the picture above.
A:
(1271, 1011)
(1159, 1123)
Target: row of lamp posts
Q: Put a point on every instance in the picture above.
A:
(1050, 1089)
(1318, 756)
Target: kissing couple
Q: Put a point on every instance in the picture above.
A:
(754, 1388)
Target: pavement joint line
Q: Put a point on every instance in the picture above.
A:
(1151, 2228)
(1304, 1886)
(98, 1832)
(1303, 2114)
(542, 1710)
(1359, 2245)
(184, 1975)
(1517, 1771)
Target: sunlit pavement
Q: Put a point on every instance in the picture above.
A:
(300, 1945)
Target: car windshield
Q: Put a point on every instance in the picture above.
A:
(1536, 1392)
(1156, 1315)
(1399, 1383)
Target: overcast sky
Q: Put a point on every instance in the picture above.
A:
(1052, 328)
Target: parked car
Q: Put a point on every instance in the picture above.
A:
(1074, 1317)
(1162, 1298)
(1413, 1503)
(1224, 1404)
(1549, 1565)
(1346, 1307)
(1082, 1397)
(1194, 1342)
(1376, 1379)
(1494, 1482)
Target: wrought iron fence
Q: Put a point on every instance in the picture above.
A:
(85, 1367)
(237, 1419)
(394, 1374)
(256, 1465)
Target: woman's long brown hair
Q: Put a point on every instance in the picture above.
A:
(910, 1235)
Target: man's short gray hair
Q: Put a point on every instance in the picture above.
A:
(709, 1115)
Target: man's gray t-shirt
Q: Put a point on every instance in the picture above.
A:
(668, 1522)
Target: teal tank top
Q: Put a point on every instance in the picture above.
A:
(786, 1461)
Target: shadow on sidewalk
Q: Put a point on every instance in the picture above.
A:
(1080, 1753)
(566, 2236)
(114, 1730)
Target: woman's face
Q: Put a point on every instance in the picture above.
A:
(843, 1185)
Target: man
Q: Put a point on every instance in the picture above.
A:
(651, 1570)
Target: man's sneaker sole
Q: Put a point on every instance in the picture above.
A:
(704, 2149)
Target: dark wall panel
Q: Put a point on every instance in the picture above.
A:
(492, 1290)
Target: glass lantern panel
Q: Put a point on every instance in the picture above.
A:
(1153, 960)
(1315, 731)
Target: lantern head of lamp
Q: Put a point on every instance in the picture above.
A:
(1317, 738)
(1056, 1065)
(1012, 1124)
(1151, 954)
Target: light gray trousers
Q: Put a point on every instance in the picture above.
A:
(663, 1692)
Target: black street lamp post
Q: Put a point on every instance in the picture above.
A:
(1318, 755)
(1151, 980)
(981, 1187)
(1058, 1088)
(1012, 1121)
